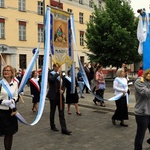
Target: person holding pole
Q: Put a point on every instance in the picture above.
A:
(56, 97)
(8, 98)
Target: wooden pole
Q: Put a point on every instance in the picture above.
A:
(21, 98)
(3, 59)
(60, 90)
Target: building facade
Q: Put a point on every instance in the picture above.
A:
(21, 28)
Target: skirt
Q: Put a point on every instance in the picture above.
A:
(121, 112)
(8, 123)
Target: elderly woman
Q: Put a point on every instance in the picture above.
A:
(8, 97)
(121, 87)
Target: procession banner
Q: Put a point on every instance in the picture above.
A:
(59, 38)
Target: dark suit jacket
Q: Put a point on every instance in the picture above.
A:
(88, 74)
(54, 85)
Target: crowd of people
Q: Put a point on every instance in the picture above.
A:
(58, 85)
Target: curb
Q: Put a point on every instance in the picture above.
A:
(95, 107)
(104, 109)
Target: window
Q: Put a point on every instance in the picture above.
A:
(2, 28)
(22, 31)
(82, 60)
(91, 3)
(80, 1)
(22, 61)
(40, 8)
(69, 10)
(91, 18)
(1, 3)
(81, 38)
(22, 5)
(40, 33)
(40, 61)
(81, 17)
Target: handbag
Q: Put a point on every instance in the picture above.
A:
(102, 86)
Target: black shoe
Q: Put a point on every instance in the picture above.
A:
(66, 132)
(94, 102)
(82, 96)
(103, 105)
(87, 92)
(54, 129)
(113, 122)
(123, 125)
(78, 114)
(148, 141)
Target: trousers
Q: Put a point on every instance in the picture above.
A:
(143, 123)
(53, 104)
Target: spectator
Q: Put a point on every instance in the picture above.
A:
(80, 83)
(100, 85)
(140, 72)
(88, 74)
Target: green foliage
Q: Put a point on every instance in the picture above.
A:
(111, 34)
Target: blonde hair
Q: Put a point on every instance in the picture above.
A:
(119, 71)
(11, 68)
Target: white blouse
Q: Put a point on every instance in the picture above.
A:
(4, 95)
(120, 85)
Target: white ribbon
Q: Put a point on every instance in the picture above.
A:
(44, 73)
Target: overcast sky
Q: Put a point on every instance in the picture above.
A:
(138, 4)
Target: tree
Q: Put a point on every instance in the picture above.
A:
(111, 34)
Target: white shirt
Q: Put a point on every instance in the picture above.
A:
(120, 86)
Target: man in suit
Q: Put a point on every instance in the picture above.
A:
(54, 97)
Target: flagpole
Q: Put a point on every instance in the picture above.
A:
(60, 89)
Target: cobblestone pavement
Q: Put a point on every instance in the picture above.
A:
(91, 131)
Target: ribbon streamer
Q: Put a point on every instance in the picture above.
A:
(44, 73)
(28, 71)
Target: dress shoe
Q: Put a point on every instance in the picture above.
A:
(82, 96)
(69, 113)
(94, 102)
(103, 105)
(33, 110)
(113, 122)
(123, 125)
(87, 92)
(66, 132)
(148, 141)
(78, 114)
(54, 129)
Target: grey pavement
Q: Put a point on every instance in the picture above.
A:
(91, 131)
(110, 105)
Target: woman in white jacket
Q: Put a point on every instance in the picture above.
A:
(8, 97)
(121, 87)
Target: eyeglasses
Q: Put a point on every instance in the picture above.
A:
(7, 70)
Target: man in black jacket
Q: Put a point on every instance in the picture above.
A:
(54, 97)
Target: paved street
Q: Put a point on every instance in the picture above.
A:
(91, 131)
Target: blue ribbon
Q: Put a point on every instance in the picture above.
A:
(7, 89)
(28, 71)
(44, 73)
